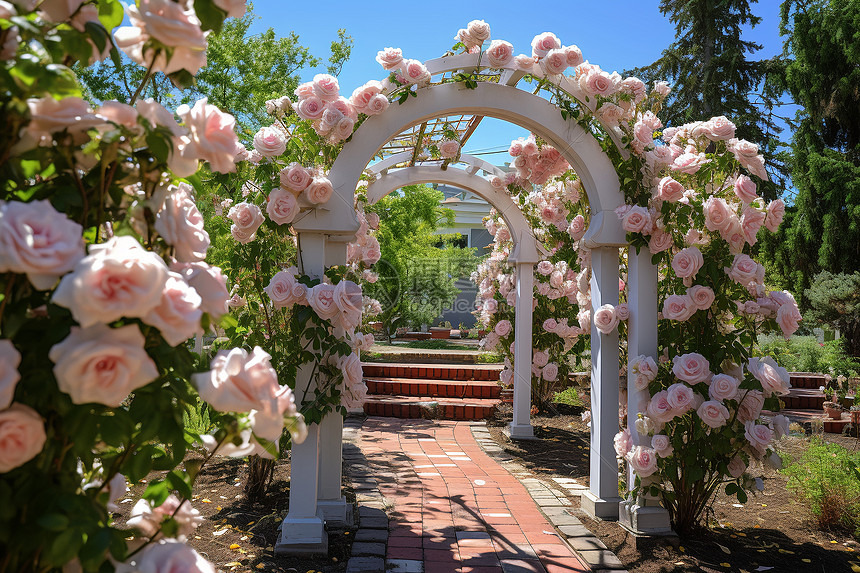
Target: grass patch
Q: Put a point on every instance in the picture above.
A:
(827, 478)
(569, 396)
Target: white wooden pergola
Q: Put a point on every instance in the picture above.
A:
(316, 464)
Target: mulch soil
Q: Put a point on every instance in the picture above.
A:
(771, 532)
(239, 534)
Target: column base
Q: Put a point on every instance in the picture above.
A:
(302, 536)
(597, 508)
(644, 519)
(520, 431)
(336, 512)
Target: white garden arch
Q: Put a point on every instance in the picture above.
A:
(315, 492)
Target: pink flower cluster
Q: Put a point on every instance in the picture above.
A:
(536, 163)
(332, 115)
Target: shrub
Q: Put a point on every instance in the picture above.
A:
(826, 477)
(806, 354)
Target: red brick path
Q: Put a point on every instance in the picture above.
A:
(455, 508)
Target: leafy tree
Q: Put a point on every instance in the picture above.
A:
(711, 74)
(416, 276)
(834, 299)
(822, 229)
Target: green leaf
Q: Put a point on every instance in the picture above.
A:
(53, 521)
(111, 13)
(65, 547)
(211, 16)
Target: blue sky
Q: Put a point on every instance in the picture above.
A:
(615, 34)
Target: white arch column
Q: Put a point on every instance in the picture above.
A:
(643, 515)
(302, 531)
(602, 499)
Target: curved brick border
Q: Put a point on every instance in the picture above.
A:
(553, 503)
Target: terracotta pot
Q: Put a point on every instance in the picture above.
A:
(833, 413)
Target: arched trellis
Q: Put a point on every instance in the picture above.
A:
(315, 493)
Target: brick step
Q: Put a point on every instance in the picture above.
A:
(433, 372)
(434, 388)
(429, 408)
(801, 416)
(807, 380)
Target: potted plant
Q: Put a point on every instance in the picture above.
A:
(464, 330)
(834, 410)
(442, 331)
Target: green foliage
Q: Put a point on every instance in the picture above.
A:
(341, 50)
(835, 300)
(711, 74)
(416, 273)
(569, 396)
(821, 232)
(827, 479)
(806, 354)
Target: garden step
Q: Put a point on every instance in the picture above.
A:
(804, 399)
(435, 388)
(802, 416)
(807, 380)
(433, 372)
(429, 407)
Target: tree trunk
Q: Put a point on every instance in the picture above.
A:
(259, 474)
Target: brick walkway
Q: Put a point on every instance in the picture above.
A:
(452, 508)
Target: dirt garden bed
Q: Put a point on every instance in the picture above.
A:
(238, 534)
(771, 532)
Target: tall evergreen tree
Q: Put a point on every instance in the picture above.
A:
(821, 231)
(711, 74)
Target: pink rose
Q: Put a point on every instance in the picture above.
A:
(449, 148)
(545, 268)
(550, 372)
(319, 190)
(503, 328)
(687, 262)
(610, 114)
(718, 129)
(310, 108)
(180, 223)
(775, 213)
(662, 88)
(598, 82)
(670, 190)
(643, 460)
(678, 307)
(543, 43)
(659, 241)
(166, 555)
(745, 189)
(362, 96)
(702, 296)
(713, 414)
(246, 218)
(295, 178)
(689, 163)
(496, 181)
(636, 219)
(326, 87)
(238, 381)
(282, 206)
(737, 467)
(605, 318)
(270, 141)
(555, 62)
(622, 442)
(751, 221)
(102, 364)
(479, 30)
(692, 368)
(178, 315)
(717, 214)
(22, 436)
(58, 10)
(234, 8)
(680, 397)
(516, 148)
(723, 387)
(118, 278)
(148, 520)
(788, 318)
(574, 56)
(389, 58)
(623, 311)
(780, 426)
(212, 135)
(49, 116)
(662, 445)
(415, 72)
(281, 289)
(635, 88)
(353, 380)
(349, 301)
(321, 300)
(744, 270)
(659, 408)
(774, 379)
(758, 435)
(377, 104)
(39, 241)
(549, 325)
(500, 53)
(120, 114)
(751, 403)
(747, 155)
(371, 253)
(645, 370)
(209, 282)
(576, 230)
(10, 359)
(540, 358)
